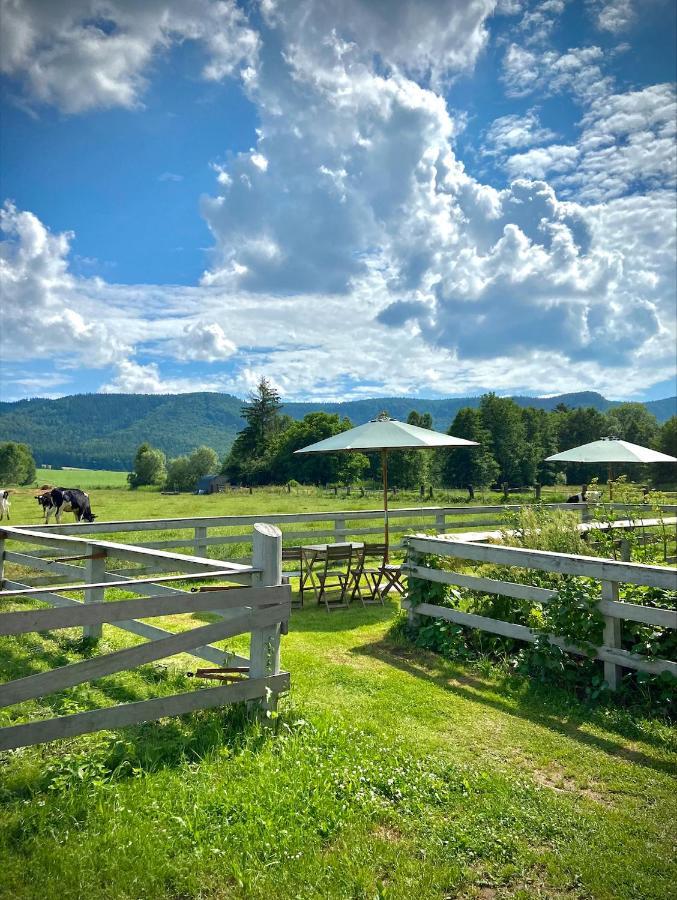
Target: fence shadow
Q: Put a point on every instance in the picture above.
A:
(528, 706)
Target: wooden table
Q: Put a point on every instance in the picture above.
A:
(311, 555)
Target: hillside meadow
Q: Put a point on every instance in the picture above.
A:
(389, 774)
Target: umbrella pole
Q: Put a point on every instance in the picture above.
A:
(384, 467)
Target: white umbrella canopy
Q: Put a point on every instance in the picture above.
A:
(611, 450)
(384, 434)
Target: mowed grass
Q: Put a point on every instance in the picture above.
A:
(388, 774)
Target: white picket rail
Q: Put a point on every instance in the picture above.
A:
(609, 572)
(261, 609)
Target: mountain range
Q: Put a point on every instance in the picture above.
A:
(102, 431)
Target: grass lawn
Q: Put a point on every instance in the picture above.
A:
(390, 773)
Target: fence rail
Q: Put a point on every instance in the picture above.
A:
(261, 609)
(609, 572)
(341, 524)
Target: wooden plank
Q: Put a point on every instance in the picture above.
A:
(76, 613)
(127, 525)
(44, 565)
(632, 612)
(58, 679)
(495, 626)
(140, 711)
(649, 615)
(563, 563)
(521, 632)
(121, 551)
(142, 629)
(486, 585)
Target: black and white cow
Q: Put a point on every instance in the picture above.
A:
(4, 504)
(60, 500)
(585, 496)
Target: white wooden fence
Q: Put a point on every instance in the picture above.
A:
(200, 533)
(609, 572)
(255, 601)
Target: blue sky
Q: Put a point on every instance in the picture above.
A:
(432, 198)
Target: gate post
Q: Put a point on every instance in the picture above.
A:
(2, 559)
(264, 646)
(95, 571)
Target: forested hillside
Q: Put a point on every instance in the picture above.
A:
(104, 430)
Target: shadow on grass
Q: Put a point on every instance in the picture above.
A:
(529, 706)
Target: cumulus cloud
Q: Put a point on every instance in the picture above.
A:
(205, 341)
(84, 54)
(42, 310)
(134, 378)
(614, 15)
(354, 252)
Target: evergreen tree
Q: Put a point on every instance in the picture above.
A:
(249, 458)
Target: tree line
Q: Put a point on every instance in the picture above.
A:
(513, 444)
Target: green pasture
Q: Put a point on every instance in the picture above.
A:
(85, 479)
(388, 774)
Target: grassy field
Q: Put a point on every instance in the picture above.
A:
(392, 775)
(389, 773)
(85, 479)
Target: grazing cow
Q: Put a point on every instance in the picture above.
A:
(585, 496)
(4, 504)
(60, 500)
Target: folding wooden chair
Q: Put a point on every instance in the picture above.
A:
(293, 554)
(383, 578)
(331, 577)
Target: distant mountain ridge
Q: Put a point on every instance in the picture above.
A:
(103, 430)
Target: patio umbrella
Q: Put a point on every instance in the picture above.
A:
(610, 450)
(384, 434)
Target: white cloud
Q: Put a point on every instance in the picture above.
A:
(513, 131)
(204, 341)
(43, 310)
(135, 378)
(614, 15)
(541, 161)
(84, 54)
(352, 247)
(577, 72)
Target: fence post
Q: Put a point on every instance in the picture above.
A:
(440, 522)
(339, 529)
(201, 540)
(2, 560)
(413, 621)
(612, 635)
(95, 571)
(264, 647)
(625, 550)
(585, 513)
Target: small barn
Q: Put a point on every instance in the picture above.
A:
(212, 484)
